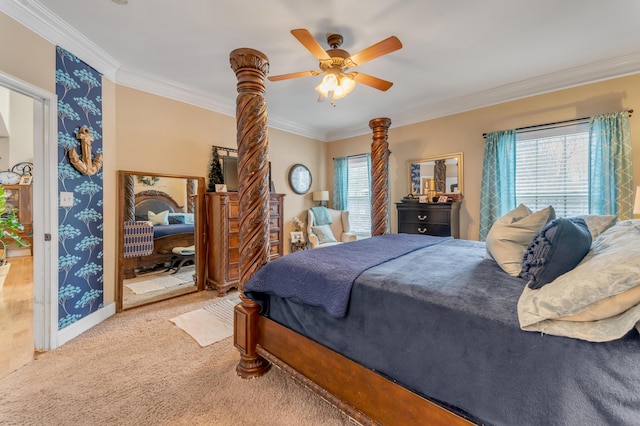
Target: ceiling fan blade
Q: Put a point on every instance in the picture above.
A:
(312, 45)
(387, 45)
(293, 75)
(375, 82)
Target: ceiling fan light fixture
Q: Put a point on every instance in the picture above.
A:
(329, 83)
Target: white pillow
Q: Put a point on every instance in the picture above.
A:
(161, 218)
(510, 235)
(324, 234)
(595, 300)
(597, 224)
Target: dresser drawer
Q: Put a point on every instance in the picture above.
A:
(425, 229)
(423, 216)
(234, 210)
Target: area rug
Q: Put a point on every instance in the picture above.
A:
(161, 282)
(210, 324)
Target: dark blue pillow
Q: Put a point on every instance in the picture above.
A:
(557, 249)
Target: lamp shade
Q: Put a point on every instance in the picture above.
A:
(321, 196)
(636, 205)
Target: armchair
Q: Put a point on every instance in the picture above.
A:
(339, 231)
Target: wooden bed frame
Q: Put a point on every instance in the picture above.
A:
(162, 246)
(363, 394)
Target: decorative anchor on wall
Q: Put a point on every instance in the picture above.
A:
(85, 166)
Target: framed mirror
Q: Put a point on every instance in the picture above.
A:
(160, 237)
(441, 174)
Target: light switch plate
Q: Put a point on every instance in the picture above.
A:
(66, 199)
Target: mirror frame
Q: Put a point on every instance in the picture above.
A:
(199, 231)
(456, 155)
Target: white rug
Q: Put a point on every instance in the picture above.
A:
(210, 324)
(161, 282)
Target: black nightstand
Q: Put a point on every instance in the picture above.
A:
(439, 219)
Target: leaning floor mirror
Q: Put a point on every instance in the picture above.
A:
(160, 237)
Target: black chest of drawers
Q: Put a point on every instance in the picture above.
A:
(440, 219)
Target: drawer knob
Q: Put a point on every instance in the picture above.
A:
(422, 230)
(422, 217)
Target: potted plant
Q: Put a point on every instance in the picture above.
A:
(9, 227)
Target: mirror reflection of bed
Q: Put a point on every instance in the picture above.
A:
(161, 224)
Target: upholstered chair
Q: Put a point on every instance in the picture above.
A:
(339, 231)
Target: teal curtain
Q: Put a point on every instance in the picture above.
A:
(498, 188)
(340, 183)
(611, 168)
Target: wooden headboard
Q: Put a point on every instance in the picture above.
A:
(155, 201)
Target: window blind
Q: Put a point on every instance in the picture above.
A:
(552, 168)
(359, 196)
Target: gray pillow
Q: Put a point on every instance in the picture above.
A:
(324, 234)
(557, 249)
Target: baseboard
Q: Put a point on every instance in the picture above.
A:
(84, 324)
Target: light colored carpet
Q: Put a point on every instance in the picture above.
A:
(137, 368)
(210, 324)
(161, 282)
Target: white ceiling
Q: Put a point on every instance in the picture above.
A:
(456, 56)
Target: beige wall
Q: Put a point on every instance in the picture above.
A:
(463, 133)
(160, 135)
(26, 55)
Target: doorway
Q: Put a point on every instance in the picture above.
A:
(41, 260)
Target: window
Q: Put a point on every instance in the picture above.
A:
(359, 195)
(552, 168)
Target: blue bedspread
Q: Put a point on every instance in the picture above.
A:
(323, 277)
(442, 322)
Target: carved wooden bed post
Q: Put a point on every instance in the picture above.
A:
(251, 68)
(129, 199)
(379, 176)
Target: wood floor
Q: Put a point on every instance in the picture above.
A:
(16, 316)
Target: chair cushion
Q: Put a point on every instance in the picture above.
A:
(324, 234)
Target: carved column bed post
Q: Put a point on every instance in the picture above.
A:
(251, 68)
(379, 176)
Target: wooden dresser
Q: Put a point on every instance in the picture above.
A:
(440, 219)
(19, 198)
(223, 245)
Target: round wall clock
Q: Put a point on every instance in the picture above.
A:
(300, 179)
(9, 178)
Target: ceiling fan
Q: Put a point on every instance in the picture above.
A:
(336, 64)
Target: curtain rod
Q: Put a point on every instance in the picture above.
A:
(554, 124)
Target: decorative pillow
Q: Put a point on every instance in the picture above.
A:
(556, 250)
(510, 235)
(324, 234)
(607, 272)
(599, 223)
(180, 218)
(161, 218)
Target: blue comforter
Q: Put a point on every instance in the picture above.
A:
(323, 277)
(442, 322)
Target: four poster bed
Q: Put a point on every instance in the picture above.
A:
(410, 329)
(174, 229)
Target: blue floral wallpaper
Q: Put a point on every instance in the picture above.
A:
(80, 264)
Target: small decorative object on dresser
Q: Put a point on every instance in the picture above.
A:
(440, 219)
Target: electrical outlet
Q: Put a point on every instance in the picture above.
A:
(66, 199)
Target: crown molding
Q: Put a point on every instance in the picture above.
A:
(565, 79)
(43, 22)
(40, 20)
(151, 83)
